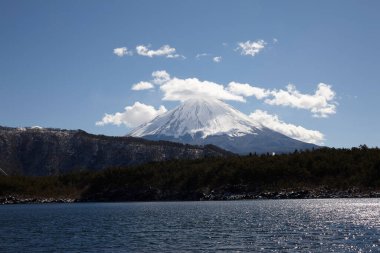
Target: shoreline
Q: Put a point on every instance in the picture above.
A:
(213, 196)
(15, 199)
(294, 194)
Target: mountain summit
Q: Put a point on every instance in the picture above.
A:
(199, 117)
(209, 121)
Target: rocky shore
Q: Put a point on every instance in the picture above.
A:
(293, 194)
(13, 199)
(218, 194)
(236, 192)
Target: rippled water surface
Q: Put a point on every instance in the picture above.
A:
(335, 225)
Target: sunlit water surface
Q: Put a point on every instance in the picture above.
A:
(334, 225)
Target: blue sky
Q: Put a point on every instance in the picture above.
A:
(58, 68)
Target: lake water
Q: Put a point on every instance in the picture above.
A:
(334, 225)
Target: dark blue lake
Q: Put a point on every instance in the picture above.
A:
(335, 225)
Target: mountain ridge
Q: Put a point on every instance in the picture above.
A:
(51, 151)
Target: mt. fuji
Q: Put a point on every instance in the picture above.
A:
(204, 121)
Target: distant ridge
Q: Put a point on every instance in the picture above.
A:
(51, 151)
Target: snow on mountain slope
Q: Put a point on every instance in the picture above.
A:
(201, 116)
(208, 121)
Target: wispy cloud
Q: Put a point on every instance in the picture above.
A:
(251, 48)
(198, 56)
(215, 59)
(122, 51)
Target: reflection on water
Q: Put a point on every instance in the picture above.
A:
(335, 225)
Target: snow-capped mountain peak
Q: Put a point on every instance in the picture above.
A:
(199, 116)
(204, 121)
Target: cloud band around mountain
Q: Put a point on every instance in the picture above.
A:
(322, 103)
(293, 131)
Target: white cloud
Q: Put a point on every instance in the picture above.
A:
(321, 103)
(275, 41)
(251, 48)
(247, 90)
(198, 56)
(132, 116)
(182, 89)
(160, 77)
(142, 86)
(217, 59)
(293, 131)
(165, 50)
(121, 51)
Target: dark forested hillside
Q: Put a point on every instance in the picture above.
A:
(35, 151)
(319, 173)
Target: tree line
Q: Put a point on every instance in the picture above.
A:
(180, 179)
